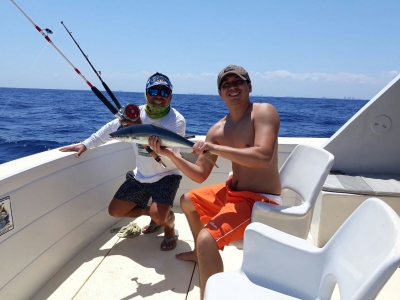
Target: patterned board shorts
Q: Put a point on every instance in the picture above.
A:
(162, 191)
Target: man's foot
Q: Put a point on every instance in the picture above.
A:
(170, 240)
(189, 256)
(152, 227)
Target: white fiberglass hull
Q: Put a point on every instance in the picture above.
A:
(59, 206)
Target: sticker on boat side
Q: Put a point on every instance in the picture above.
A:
(6, 220)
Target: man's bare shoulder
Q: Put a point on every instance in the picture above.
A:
(216, 129)
(265, 110)
(264, 107)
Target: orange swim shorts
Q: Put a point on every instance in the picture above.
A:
(225, 212)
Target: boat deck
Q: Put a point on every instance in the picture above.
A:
(136, 268)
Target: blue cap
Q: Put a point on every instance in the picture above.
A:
(158, 79)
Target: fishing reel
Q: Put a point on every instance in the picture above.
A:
(128, 112)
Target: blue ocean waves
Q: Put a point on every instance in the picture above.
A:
(37, 120)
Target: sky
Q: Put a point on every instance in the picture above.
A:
(333, 49)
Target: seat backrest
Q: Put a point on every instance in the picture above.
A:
(363, 253)
(305, 172)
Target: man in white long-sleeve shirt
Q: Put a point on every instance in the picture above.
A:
(149, 179)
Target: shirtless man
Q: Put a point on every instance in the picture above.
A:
(248, 137)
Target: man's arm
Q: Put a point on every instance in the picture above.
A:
(98, 138)
(266, 128)
(198, 171)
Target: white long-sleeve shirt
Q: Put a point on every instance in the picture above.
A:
(147, 169)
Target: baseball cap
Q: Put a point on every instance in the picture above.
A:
(232, 69)
(158, 79)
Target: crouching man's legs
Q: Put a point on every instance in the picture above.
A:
(129, 201)
(162, 215)
(124, 209)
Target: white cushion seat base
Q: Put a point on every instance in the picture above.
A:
(364, 184)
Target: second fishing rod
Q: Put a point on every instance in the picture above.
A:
(130, 112)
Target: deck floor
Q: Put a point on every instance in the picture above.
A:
(136, 268)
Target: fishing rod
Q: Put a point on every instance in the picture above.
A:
(45, 34)
(92, 87)
(97, 72)
(128, 110)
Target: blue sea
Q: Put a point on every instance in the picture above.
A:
(37, 120)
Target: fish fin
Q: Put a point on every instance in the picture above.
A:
(207, 156)
(162, 127)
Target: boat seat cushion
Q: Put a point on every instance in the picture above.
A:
(376, 185)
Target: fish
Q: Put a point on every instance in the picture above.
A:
(140, 134)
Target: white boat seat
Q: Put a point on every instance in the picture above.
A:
(374, 185)
(304, 172)
(361, 257)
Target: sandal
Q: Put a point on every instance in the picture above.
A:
(153, 228)
(167, 241)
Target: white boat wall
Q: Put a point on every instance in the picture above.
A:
(367, 163)
(369, 142)
(58, 203)
(59, 206)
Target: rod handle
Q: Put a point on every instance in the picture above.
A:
(155, 156)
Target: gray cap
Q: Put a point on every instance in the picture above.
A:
(232, 69)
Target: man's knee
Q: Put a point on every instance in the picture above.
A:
(205, 243)
(115, 210)
(186, 203)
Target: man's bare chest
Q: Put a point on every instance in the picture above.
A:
(237, 135)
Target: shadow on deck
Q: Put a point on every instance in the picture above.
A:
(118, 268)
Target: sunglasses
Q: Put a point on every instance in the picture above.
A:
(163, 93)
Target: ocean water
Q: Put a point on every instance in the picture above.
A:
(37, 120)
